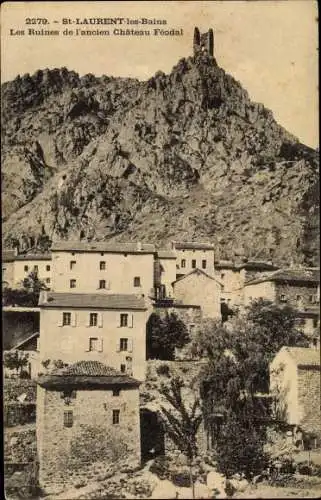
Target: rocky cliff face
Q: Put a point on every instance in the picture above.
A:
(181, 156)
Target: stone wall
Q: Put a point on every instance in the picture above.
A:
(309, 399)
(291, 293)
(67, 454)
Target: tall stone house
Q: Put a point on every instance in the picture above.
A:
(87, 421)
(295, 384)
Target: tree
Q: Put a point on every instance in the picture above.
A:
(27, 295)
(182, 423)
(237, 369)
(164, 334)
(16, 360)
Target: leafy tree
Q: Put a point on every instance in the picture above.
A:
(237, 369)
(182, 423)
(16, 360)
(164, 334)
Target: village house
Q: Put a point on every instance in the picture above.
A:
(87, 421)
(40, 264)
(103, 268)
(110, 328)
(233, 277)
(295, 383)
(297, 288)
(191, 256)
(199, 288)
(164, 273)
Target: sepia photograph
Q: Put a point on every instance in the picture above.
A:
(160, 249)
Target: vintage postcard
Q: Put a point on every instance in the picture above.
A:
(160, 249)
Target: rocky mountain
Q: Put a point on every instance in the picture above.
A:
(183, 156)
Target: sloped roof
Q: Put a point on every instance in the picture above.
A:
(166, 254)
(86, 374)
(92, 300)
(304, 356)
(304, 275)
(102, 246)
(198, 272)
(34, 256)
(24, 341)
(191, 245)
(255, 265)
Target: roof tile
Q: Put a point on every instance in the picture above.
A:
(92, 300)
(103, 246)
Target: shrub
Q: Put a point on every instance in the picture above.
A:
(163, 369)
(161, 467)
(181, 479)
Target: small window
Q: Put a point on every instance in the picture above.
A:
(124, 320)
(203, 264)
(222, 276)
(26, 268)
(311, 299)
(72, 264)
(66, 319)
(193, 263)
(72, 283)
(123, 368)
(68, 418)
(282, 298)
(47, 268)
(315, 322)
(183, 263)
(102, 254)
(102, 284)
(116, 414)
(48, 280)
(73, 253)
(93, 319)
(116, 392)
(137, 281)
(123, 345)
(93, 344)
(102, 265)
(36, 269)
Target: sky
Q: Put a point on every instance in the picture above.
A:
(271, 47)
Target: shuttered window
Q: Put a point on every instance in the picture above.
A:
(68, 418)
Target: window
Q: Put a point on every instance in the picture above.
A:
(102, 254)
(93, 344)
(93, 319)
(72, 264)
(47, 268)
(137, 281)
(183, 263)
(26, 269)
(48, 280)
(123, 346)
(315, 322)
(124, 320)
(72, 283)
(116, 392)
(282, 298)
(102, 284)
(35, 268)
(298, 298)
(123, 368)
(66, 319)
(193, 263)
(222, 276)
(311, 299)
(203, 264)
(116, 414)
(102, 265)
(68, 418)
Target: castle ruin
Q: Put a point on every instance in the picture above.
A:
(203, 42)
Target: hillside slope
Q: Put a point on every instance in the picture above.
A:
(181, 156)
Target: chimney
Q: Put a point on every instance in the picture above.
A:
(43, 297)
(139, 246)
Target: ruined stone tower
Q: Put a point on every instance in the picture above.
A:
(203, 42)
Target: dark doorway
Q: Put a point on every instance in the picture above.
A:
(151, 435)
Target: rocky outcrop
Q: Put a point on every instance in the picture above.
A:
(184, 155)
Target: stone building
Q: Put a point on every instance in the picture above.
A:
(24, 264)
(103, 327)
(99, 267)
(164, 273)
(7, 278)
(295, 382)
(297, 288)
(87, 422)
(193, 255)
(199, 288)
